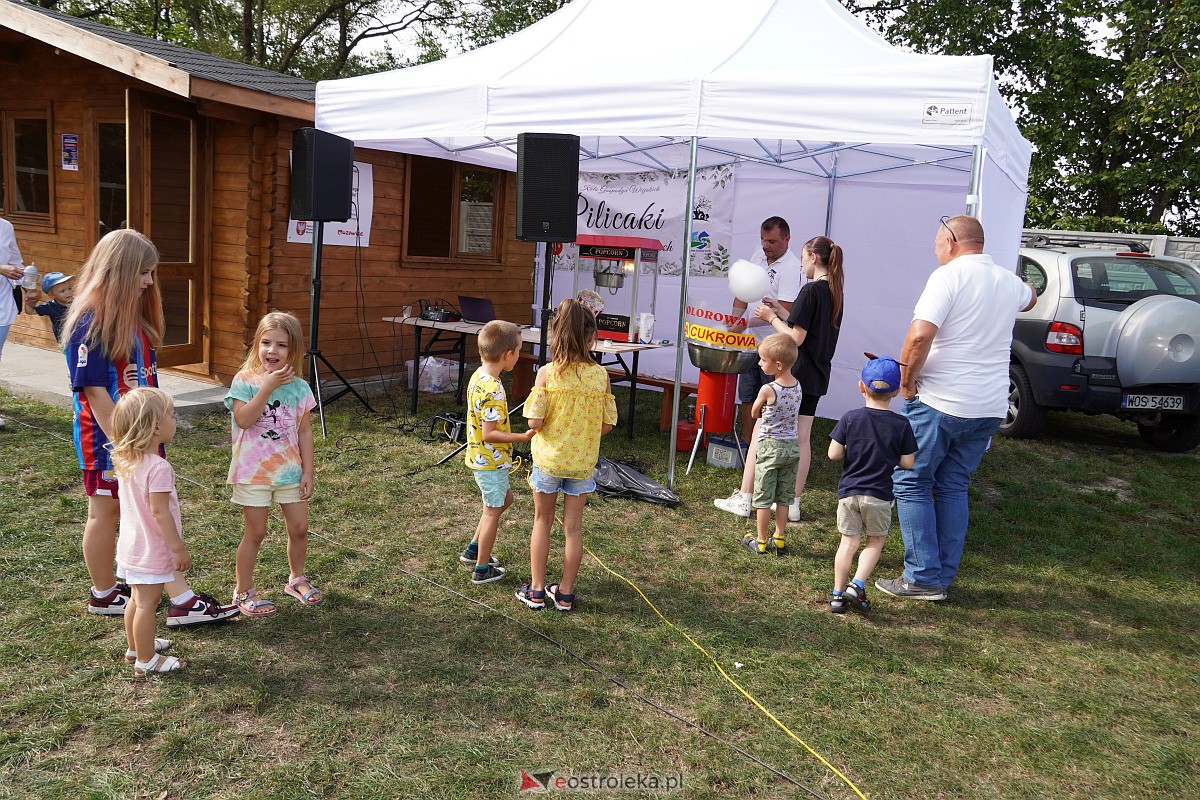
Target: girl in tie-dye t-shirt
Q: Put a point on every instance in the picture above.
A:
(272, 456)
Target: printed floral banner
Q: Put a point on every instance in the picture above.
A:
(651, 205)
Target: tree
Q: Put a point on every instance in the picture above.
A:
(314, 39)
(481, 23)
(1108, 93)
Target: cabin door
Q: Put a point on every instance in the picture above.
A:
(167, 202)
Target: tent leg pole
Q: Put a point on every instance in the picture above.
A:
(680, 344)
(973, 196)
(829, 199)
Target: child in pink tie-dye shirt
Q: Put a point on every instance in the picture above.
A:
(272, 456)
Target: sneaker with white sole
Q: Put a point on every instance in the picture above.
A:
(898, 587)
(111, 604)
(737, 503)
(489, 575)
(203, 608)
(467, 557)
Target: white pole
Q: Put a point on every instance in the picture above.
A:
(680, 345)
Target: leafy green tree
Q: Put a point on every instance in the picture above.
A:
(314, 39)
(1108, 92)
(479, 23)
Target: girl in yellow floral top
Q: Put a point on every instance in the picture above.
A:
(570, 407)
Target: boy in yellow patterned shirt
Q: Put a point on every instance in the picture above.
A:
(490, 441)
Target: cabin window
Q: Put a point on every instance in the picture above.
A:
(112, 196)
(25, 165)
(452, 210)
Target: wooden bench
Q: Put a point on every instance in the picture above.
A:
(523, 383)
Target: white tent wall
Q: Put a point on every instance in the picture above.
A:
(778, 81)
(886, 228)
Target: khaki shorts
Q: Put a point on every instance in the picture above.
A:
(262, 495)
(862, 514)
(775, 472)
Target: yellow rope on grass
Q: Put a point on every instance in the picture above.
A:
(724, 674)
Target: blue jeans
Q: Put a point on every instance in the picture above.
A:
(931, 498)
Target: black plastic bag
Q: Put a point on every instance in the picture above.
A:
(614, 479)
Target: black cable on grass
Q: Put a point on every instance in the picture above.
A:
(608, 676)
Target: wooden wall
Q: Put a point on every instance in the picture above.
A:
(252, 268)
(358, 289)
(58, 84)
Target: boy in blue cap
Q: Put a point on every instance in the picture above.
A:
(873, 441)
(61, 292)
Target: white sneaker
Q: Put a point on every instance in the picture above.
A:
(737, 503)
(794, 512)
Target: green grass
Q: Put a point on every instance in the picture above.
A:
(1065, 664)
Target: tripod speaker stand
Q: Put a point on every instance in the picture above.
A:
(313, 355)
(322, 191)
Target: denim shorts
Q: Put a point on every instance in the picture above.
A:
(548, 484)
(493, 484)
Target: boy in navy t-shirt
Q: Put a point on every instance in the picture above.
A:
(873, 441)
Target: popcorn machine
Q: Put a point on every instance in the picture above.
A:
(616, 271)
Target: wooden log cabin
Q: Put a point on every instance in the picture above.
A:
(102, 128)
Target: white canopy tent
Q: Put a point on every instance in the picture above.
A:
(840, 132)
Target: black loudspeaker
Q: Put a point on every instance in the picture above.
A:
(547, 186)
(322, 176)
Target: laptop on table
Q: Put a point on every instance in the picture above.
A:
(476, 309)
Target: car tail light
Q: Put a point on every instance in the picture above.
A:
(1064, 338)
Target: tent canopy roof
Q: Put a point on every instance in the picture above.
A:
(780, 81)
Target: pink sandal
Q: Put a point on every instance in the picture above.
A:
(250, 604)
(306, 597)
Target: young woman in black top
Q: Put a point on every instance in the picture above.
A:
(814, 322)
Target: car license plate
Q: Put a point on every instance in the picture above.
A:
(1165, 402)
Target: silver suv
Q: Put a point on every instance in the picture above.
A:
(1114, 331)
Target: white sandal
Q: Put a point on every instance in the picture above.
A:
(160, 645)
(159, 664)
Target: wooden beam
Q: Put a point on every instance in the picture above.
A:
(204, 89)
(126, 60)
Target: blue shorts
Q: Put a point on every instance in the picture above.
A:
(493, 484)
(548, 484)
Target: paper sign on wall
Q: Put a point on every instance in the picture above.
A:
(356, 231)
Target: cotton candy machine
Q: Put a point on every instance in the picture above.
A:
(716, 393)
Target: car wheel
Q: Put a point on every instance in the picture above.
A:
(1172, 434)
(1025, 418)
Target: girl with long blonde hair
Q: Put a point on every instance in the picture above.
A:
(111, 332)
(110, 336)
(272, 456)
(571, 407)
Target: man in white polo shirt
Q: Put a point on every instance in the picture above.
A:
(954, 381)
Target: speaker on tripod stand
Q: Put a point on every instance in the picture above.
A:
(547, 191)
(322, 191)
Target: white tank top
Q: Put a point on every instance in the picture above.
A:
(779, 418)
